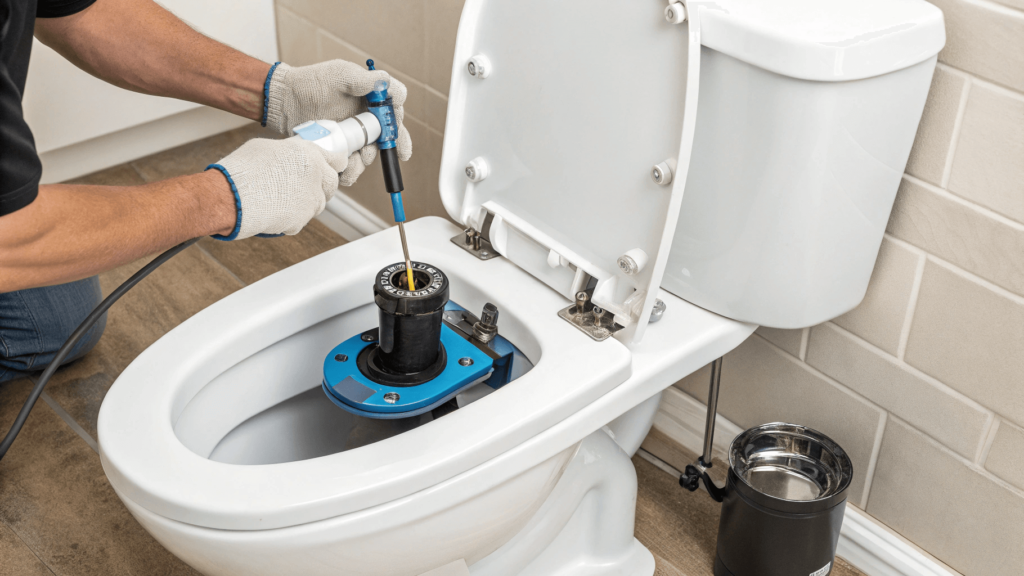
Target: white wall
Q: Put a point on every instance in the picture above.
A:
(68, 110)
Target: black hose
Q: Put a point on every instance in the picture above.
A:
(77, 335)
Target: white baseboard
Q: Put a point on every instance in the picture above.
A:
(864, 542)
(135, 142)
(350, 219)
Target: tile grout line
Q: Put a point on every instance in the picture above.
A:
(221, 264)
(805, 338)
(958, 122)
(979, 470)
(320, 54)
(886, 414)
(912, 370)
(26, 544)
(67, 418)
(978, 208)
(995, 87)
(908, 317)
(425, 126)
(70, 421)
(357, 50)
(131, 165)
(987, 440)
(883, 417)
(821, 375)
(876, 449)
(976, 279)
(987, 82)
(435, 91)
(998, 8)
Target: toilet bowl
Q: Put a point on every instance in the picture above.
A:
(465, 487)
(589, 205)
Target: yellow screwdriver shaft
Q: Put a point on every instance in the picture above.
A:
(408, 262)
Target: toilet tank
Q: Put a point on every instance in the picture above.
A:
(807, 113)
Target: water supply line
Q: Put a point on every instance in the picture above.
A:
(77, 335)
(697, 472)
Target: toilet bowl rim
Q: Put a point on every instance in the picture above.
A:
(657, 370)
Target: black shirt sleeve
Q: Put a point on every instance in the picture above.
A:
(58, 8)
(20, 168)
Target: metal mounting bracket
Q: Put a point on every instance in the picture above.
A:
(589, 319)
(478, 243)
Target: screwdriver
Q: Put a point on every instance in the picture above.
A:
(379, 104)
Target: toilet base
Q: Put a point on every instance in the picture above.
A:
(587, 521)
(582, 525)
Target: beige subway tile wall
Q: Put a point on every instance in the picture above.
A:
(946, 505)
(923, 383)
(879, 318)
(415, 42)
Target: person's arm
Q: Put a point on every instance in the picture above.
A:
(71, 231)
(140, 46)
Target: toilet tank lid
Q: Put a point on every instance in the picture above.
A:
(823, 40)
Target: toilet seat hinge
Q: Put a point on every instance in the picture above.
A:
(590, 319)
(478, 243)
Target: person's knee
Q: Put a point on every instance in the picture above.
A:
(35, 323)
(82, 298)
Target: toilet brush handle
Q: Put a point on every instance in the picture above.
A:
(709, 423)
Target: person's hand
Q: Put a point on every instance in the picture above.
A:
(332, 90)
(279, 185)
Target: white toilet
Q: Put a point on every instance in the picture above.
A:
(590, 147)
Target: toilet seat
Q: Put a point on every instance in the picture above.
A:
(148, 463)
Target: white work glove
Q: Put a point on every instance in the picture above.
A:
(333, 90)
(279, 185)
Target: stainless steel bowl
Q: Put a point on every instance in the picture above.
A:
(790, 462)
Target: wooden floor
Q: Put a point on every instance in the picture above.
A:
(58, 513)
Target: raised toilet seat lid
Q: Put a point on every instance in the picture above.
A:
(147, 463)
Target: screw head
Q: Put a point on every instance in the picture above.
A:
(472, 68)
(477, 169)
(628, 265)
(368, 337)
(661, 172)
(391, 397)
(658, 311)
(465, 361)
(341, 358)
(675, 13)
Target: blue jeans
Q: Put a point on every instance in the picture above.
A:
(34, 324)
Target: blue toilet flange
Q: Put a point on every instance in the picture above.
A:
(349, 389)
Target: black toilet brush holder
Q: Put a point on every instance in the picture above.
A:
(784, 499)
